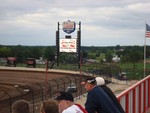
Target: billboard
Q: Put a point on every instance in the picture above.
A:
(69, 26)
(68, 45)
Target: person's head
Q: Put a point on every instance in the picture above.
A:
(65, 100)
(100, 81)
(89, 83)
(20, 106)
(49, 106)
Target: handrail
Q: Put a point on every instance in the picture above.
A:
(136, 99)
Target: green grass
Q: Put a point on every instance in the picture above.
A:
(133, 72)
(137, 65)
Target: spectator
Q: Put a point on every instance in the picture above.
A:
(67, 105)
(100, 81)
(97, 100)
(49, 106)
(20, 106)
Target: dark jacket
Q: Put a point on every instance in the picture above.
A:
(113, 97)
(98, 101)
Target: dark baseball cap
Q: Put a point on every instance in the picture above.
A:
(64, 96)
(90, 80)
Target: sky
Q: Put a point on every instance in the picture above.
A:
(103, 22)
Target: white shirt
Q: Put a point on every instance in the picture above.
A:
(72, 109)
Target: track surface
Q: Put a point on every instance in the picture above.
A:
(10, 79)
(13, 84)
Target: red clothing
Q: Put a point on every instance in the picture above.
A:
(82, 109)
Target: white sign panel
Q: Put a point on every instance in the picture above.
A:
(68, 45)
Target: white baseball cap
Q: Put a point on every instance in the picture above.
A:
(90, 80)
(100, 81)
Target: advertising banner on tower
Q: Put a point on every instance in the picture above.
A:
(68, 45)
(69, 26)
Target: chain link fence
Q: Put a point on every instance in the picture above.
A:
(38, 92)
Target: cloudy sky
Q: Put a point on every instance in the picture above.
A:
(103, 22)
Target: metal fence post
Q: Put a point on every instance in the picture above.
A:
(41, 90)
(57, 85)
(64, 83)
(10, 101)
(32, 96)
(17, 87)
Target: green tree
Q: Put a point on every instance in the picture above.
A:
(108, 57)
(5, 52)
(91, 55)
(48, 52)
(117, 47)
(84, 54)
(135, 56)
(35, 52)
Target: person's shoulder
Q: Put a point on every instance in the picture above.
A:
(71, 109)
(95, 90)
(81, 108)
(97, 87)
(106, 88)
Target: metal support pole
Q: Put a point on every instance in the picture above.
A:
(57, 44)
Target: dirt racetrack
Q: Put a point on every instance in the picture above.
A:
(34, 86)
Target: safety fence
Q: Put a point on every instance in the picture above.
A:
(96, 68)
(37, 92)
(133, 100)
(136, 99)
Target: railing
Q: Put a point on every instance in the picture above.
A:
(136, 99)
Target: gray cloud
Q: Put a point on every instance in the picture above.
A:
(104, 22)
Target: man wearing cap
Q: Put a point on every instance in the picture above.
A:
(97, 100)
(66, 103)
(101, 82)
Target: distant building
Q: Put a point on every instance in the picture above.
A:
(116, 58)
(90, 61)
(40, 61)
(3, 61)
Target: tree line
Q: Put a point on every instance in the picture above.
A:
(126, 53)
(23, 52)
